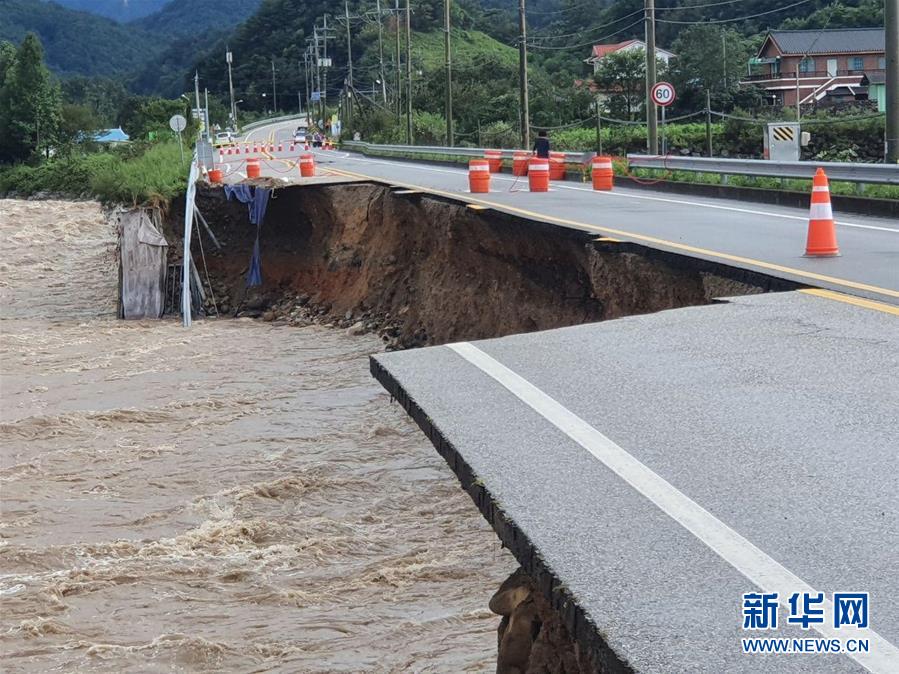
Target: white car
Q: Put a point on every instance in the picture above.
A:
(223, 137)
(299, 137)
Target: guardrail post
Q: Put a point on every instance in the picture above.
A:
(859, 188)
(724, 178)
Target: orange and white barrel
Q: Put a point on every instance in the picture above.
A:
(307, 165)
(215, 175)
(494, 160)
(520, 163)
(603, 175)
(254, 170)
(557, 166)
(538, 174)
(479, 176)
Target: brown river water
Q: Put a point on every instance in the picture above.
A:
(237, 497)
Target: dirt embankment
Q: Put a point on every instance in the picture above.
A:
(420, 270)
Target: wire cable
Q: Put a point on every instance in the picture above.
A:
(586, 44)
(736, 18)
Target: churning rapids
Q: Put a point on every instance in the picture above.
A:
(236, 497)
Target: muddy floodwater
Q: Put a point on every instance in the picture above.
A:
(237, 497)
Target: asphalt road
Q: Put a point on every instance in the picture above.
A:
(762, 237)
(663, 465)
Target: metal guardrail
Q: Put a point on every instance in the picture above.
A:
(434, 150)
(271, 120)
(887, 174)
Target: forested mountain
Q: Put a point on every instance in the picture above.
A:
(78, 42)
(118, 10)
(84, 43)
(195, 17)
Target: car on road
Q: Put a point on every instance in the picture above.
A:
(223, 137)
(299, 135)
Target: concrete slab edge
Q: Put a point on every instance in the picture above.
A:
(579, 624)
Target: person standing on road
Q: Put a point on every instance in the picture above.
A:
(541, 145)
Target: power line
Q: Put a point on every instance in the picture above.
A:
(699, 6)
(736, 18)
(591, 42)
(582, 33)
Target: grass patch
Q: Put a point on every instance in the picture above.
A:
(150, 175)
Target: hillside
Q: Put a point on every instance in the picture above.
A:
(181, 18)
(118, 10)
(83, 43)
(77, 42)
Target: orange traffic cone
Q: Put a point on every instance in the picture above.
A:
(822, 233)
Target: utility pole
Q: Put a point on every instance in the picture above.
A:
(396, 62)
(708, 122)
(448, 57)
(598, 125)
(274, 90)
(652, 132)
(381, 55)
(523, 76)
(197, 95)
(408, 74)
(228, 58)
(891, 23)
(318, 74)
(306, 80)
(349, 63)
(325, 80)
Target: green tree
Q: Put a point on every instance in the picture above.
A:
(29, 105)
(621, 81)
(77, 125)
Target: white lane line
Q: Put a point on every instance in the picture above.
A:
(756, 565)
(613, 194)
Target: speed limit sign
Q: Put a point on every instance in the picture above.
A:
(663, 94)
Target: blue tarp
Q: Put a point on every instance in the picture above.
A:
(256, 199)
(111, 136)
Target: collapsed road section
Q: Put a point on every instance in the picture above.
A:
(424, 270)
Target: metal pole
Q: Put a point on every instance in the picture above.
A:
(708, 122)
(891, 23)
(180, 147)
(525, 118)
(197, 95)
(397, 88)
(349, 62)
(448, 58)
(798, 95)
(206, 115)
(274, 91)
(228, 58)
(652, 133)
(381, 55)
(598, 127)
(306, 81)
(325, 76)
(664, 138)
(408, 74)
(318, 73)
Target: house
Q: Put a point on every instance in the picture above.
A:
(877, 90)
(817, 66)
(600, 50)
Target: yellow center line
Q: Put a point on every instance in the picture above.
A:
(852, 299)
(642, 237)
